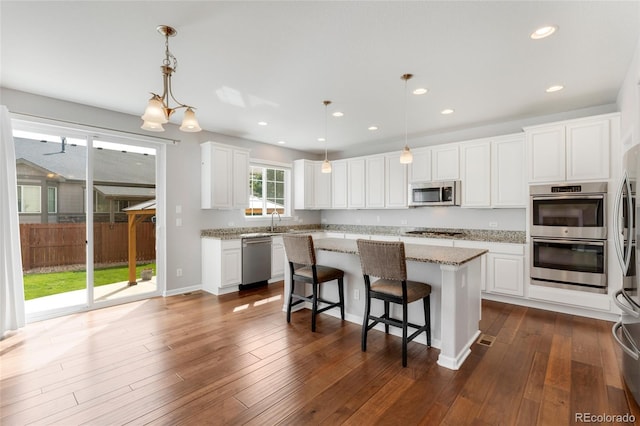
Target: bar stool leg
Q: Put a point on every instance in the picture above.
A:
(314, 306)
(341, 295)
(365, 322)
(404, 334)
(427, 318)
(292, 286)
(386, 314)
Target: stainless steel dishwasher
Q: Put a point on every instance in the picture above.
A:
(256, 259)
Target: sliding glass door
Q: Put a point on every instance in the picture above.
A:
(88, 214)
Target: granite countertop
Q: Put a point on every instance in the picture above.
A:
(486, 235)
(417, 252)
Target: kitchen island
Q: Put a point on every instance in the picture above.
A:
(453, 273)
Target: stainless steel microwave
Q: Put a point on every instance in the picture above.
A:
(434, 193)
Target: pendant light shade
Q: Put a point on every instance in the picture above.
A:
(189, 122)
(406, 157)
(326, 165)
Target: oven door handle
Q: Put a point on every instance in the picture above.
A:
(632, 353)
(566, 197)
(629, 310)
(569, 242)
(631, 225)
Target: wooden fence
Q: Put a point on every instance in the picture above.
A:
(59, 244)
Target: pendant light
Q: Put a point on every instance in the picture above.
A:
(406, 157)
(326, 165)
(158, 110)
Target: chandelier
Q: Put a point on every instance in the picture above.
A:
(158, 110)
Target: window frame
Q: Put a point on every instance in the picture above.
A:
(288, 175)
(55, 199)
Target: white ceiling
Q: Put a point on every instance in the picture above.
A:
(244, 62)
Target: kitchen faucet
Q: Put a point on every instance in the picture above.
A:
(279, 219)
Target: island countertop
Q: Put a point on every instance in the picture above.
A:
(455, 256)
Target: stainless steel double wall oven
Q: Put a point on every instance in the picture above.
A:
(569, 236)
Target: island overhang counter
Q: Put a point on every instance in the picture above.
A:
(455, 275)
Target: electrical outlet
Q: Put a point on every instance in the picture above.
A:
(179, 272)
(178, 221)
(493, 224)
(356, 294)
(403, 222)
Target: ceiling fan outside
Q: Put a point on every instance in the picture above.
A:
(62, 148)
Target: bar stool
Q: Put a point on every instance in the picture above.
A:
(386, 260)
(302, 265)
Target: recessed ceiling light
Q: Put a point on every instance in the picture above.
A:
(320, 139)
(420, 91)
(555, 88)
(446, 111)
(337, 114)
(281, 142)
(262, 123)
(543, 32)
(373, 127)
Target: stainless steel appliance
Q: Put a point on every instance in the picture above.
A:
(569, 264)
(256, 258)
(627, 330)
(576, 210)
(446, 193)
(569, 236)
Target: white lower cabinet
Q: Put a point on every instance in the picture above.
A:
(277, 257)
(221, 265)
(503, 272)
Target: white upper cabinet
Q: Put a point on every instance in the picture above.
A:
(374, 182)
(575, 150)
(476, 173)
(312, 188)
(445, 164)
(588, 146)
(508, 172)
(420, 168)
(321, 187)
(224, 176)
(396, 189)
(356, 183)
(493, 173)
(339, 184)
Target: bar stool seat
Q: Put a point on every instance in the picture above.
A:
(386, 260)
(301, 256)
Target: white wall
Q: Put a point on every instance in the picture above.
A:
(183, 176)
(431, 217)
(629, 103)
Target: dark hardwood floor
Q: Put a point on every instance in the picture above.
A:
(233, 359)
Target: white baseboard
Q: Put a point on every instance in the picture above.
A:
(181, 290)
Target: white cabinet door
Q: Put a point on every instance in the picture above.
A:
(506, 274)
(508, 175)
(396, 188)
(374, 182)
(588, 146)
(224, 175)
(240, 182)
(445, 163)
(303, 183)
(356, 182)
(321, 187)
(339, 184)
(277, 257)
(476, 174)
(216, 175)
(420, 168)
(546, 152)
(231, 263)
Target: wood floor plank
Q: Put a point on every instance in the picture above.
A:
(233, 359)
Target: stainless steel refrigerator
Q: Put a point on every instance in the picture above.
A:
(626, 229)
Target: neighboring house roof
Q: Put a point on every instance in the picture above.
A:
(109, 165)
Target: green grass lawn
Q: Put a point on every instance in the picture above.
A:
(39, 285)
